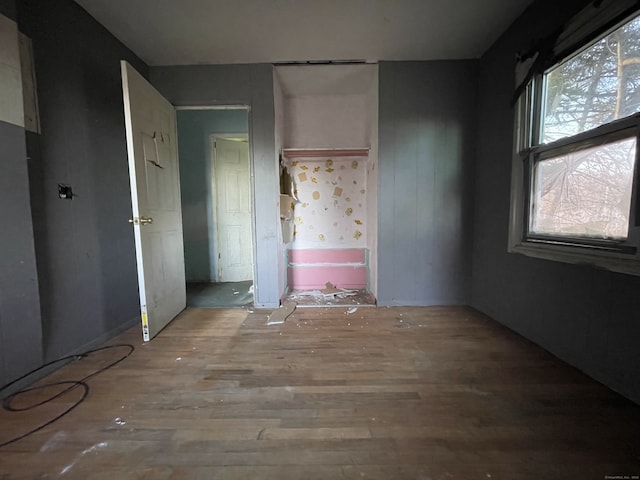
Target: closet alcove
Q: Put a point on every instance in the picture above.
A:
(327, 135)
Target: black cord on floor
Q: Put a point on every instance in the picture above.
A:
(73, 384)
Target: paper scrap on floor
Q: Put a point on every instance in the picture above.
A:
(278, 316)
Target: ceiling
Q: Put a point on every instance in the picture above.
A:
(169, 32)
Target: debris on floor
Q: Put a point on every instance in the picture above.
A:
(330, 291)
(352, 310)
(332, 296)
(280, 315)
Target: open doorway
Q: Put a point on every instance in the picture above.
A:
(215, 180)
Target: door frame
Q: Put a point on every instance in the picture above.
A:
(249, 134)
(214, 249)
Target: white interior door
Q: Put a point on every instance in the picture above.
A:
(155, 199)
(233, 208)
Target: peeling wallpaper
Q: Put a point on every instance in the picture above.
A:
(330, 206)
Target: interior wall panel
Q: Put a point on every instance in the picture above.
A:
(20, 326)
(426, 135)
(279, 144)
(20, 322)
(84, 246)
(8, 9)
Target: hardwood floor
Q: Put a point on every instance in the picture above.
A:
(386, 393)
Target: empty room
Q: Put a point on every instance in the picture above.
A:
(319, 239)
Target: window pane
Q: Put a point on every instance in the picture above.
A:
(599, 85)
(585, 193)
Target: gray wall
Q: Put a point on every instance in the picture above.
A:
(426, 135)
(84, 247)
(194, 132)
(278, 134)
(20, 327)
(587, 317)
(8, 9)
(248, 85)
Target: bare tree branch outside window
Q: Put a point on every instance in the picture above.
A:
(587, 193)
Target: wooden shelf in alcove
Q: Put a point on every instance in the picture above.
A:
(324, 152)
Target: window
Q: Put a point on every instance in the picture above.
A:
(575, 172)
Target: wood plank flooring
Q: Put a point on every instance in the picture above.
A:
(382, 393)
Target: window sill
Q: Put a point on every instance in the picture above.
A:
(613, 261)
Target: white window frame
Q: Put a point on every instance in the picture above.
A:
(623, 257)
